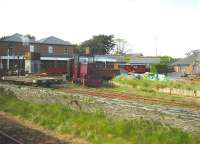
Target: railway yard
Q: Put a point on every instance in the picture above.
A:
(128, 74)
(182, 113)
(124, 102)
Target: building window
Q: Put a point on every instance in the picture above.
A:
(65, 50)
(50, 49)
(10, 51)
(32, 48)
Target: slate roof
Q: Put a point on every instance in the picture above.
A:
(54, 41)
(145, 60)
(188, 60)
(16, 38)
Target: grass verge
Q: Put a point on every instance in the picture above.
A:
(94, 127)
(150, 89)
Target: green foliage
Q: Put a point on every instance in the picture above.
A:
(95, 127)
(127, 58)
(159, 68)
(120, 46)
(101, 44)
(166, 60)
(149, 84)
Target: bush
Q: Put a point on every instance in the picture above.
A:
(159, 68)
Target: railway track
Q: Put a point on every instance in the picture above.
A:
(131, 97)
(7, 139)
(128, 96)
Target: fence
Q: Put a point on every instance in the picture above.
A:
(182, 92)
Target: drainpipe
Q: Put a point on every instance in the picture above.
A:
(1, 64)
(8, 60)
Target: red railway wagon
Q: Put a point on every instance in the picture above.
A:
(135, 68)
(54, 68)
(92, 74)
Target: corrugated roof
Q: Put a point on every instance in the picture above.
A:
(17, 38)
(103, 58)
(145, 60)
(54, 40)
(109, 58)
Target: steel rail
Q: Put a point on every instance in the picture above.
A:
(10, 138)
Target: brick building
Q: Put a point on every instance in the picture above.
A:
(188, 65)
(18, 52)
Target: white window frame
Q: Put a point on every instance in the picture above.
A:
(50, 49)
(32, 48)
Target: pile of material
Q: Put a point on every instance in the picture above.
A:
(32, 80)
(146, 76)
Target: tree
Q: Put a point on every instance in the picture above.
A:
(30, 37)
(127, 58)
(101, 44)
(159, 68)
(120, 46)
(166, 60)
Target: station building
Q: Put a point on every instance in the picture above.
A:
(25, 53)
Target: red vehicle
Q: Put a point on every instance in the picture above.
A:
(140, 69)
(135, 68)
(92, 74)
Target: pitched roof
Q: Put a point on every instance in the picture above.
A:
(54, 40)
(145, 60)
(188, 60)
(16, 38)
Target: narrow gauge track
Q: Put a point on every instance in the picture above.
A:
(7, 139)
(131, 97)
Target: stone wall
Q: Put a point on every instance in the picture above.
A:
(187, 119)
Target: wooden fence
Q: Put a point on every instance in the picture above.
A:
(182, 92)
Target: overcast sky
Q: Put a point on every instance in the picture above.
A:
(175, 23)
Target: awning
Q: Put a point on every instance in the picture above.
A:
(55, 58)
(41, 58)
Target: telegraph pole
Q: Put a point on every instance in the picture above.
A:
(156, 39)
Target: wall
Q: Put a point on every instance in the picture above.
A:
(19, 49)
(57, 49)
(182, 69)
(190, 69)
